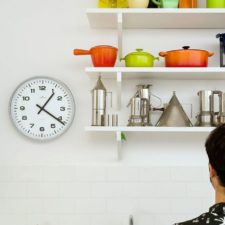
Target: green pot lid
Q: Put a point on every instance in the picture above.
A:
(139, 51)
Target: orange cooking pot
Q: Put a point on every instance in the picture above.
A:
(102, 55)
(186, 57)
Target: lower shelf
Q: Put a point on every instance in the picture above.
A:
(150, 129)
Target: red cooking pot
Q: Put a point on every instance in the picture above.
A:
(186, 57)
(102, 55)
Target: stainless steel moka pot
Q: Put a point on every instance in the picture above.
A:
(208, 116)
(99, 104)
(140, 105)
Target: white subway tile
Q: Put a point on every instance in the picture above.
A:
(186, 205)
(85, 206)
(155, 174)
(144, 219)
(42, 190)
(78, 190)
(13, 190)
(59, 206)
(27, 174)
(187, 174)
(154, 190)
(75, 220)
(10, 219)
(107, 219)
(123, 174)
(59, 173)
(43, 219)
(200, 190)
(34, 206)
(135, 190)
(169, 190)
(20, 205)
(122, 205)
(88, 174)
(6, 174)
(106, 190)
(150, 206)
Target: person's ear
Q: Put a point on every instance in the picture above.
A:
(212, 171)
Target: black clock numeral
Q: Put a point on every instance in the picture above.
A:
(22, 108)
(60, 118)
(42, 88)
(62, 108)
(26, 98)
(42, 129)
(32, 90)
(24, 117)
(31, 125)
(53, 126)
(59, 98)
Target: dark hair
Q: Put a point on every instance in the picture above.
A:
(215, 148)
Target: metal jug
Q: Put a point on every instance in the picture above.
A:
(99, 104)
(204, 118)
(208, 116)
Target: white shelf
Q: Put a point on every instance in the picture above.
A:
(151, 129)
(157, 18)
(161, 73)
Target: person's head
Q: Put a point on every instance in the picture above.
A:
(215, 148)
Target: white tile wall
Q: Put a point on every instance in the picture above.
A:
(99, 195)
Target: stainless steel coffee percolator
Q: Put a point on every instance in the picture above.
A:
(99, 95)
(140, 105)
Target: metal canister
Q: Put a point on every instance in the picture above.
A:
(99, 104)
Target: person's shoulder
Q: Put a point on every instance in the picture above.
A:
(201, 220)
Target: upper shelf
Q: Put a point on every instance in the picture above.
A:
(157, 18)
(160, 73)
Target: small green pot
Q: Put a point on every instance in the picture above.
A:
(139, 59)
(215, 3)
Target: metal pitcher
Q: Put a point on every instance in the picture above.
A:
(99, 95)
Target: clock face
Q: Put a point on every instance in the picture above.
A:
(42, 108)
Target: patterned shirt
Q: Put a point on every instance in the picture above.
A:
(215, 216)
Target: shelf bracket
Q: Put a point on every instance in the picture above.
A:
(119, 144)
(119, 89)
(120, 34)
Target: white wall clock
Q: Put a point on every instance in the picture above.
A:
(42, 108)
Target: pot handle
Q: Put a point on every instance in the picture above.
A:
(211, 54)
(158, 3)
(121, 59)
(156, 58)
(163, 54)
(81, 52)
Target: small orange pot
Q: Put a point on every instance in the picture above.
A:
(102, 55)
(188, 4)
(186, 57)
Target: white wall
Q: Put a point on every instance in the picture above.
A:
(75, 179)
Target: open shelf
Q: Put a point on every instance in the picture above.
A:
(160, 73)
(201, 18)
(151, 129)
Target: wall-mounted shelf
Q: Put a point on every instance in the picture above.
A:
(160, 73)
(151, 129)
(157, 18)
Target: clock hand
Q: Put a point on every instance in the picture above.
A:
(50, 114)
(42, 108)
